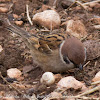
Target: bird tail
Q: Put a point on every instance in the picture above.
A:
(28, 39)
(12, 28)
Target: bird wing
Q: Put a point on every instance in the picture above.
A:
(43, 43)
(47, 43)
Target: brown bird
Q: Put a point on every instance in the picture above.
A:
(53, 52)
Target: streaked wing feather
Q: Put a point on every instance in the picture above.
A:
(44, 44)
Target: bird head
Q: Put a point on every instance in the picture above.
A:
(72, 51)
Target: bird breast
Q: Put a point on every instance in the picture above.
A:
(50, 62)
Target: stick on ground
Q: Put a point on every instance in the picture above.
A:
(28, 17)
(10, 84)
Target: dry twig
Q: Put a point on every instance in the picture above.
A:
(74, 97)
(30, 98)
(82, 39)
(70, 6)
(76, 2)
(94, 83)
(10, 84)
(54, 3)
(86, 64)
(97, 27)
(80, 96)
(89, 91)
(88, 3)
(82, 5)
(28, 17)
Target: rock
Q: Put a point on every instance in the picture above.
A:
(71, 82)
(19, 23)
(3, 10)
(14, 73)
(97, 77)
(92, 49)
(48, 18)
(76, 28)
(15, 16)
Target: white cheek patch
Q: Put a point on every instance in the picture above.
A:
(61, 56)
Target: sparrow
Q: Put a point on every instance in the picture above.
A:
(53, 52)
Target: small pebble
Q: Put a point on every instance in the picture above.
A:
(3, 10)
(19, 23)
(14, 73)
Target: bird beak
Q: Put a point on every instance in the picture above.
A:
(80, 67)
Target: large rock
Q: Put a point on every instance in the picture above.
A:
(48, 18)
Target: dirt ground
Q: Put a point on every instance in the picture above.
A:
(15, 54)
